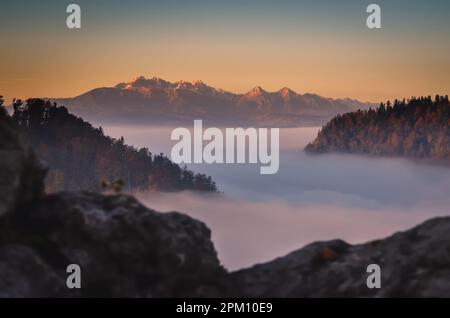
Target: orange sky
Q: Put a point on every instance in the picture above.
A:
(312, 51)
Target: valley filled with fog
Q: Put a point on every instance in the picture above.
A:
(260, 217)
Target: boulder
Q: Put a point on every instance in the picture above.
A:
(123, 248)
(24, 273)
(415, 263)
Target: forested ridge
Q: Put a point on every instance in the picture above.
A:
(81, 157)
(417, 128)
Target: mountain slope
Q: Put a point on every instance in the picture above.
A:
(81, 157)
(158, 101)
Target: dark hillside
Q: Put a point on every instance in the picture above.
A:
(416, 128)
(81, 157)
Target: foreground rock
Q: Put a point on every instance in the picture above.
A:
(415, 263)
(127, 250)
(123, 249)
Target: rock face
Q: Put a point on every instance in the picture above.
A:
(415, 263)
(123, 249)
(127, 250)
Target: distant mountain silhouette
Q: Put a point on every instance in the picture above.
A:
(158, 101)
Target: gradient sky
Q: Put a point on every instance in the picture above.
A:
(319, 46)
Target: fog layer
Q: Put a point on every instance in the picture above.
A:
(260, 217)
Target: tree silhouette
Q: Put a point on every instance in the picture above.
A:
(2, 109)
(418, 127)
(81, 157)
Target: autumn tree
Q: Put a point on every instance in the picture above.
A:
(81, 157)
(418, 127)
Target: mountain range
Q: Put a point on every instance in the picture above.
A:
(157, 101)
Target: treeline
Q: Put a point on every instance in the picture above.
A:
(81, 157)
(418, 128)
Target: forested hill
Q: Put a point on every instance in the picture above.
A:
(81, 157)
(417, 128)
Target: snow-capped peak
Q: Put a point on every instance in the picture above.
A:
(256, 91)
(286, 92)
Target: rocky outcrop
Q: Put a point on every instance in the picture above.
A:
(415, 263)
(123, 249)
(127, 250)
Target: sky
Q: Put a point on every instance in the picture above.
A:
(321, 47)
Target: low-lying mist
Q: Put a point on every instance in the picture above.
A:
(260, 217)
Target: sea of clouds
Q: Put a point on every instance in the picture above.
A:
(260, 217)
